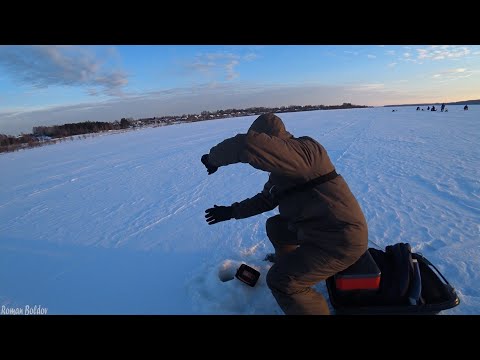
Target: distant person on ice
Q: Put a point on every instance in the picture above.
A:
(465, 107)
(320, 231)
(442, 108)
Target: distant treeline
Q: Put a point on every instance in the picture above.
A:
(43, 135)
(13, 143)
(86, 127)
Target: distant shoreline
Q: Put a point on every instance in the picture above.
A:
(466, 102)
(48, 135)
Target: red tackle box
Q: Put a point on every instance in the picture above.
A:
(362, 275)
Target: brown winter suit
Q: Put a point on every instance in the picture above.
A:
(318, 232)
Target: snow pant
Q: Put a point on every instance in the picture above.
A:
(298, 267)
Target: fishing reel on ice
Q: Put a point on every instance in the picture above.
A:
(244, 273)
(247, 274)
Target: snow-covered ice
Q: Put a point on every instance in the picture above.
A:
(114, 224)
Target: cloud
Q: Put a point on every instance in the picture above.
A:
(219, 55)
(436, 52)
(391, 52)
(250, 57)
(368, 87)
(454, 74)
(230, 69)
(393, 64)
(218, 65)
(370, 56)
(207, 96)
(202, 67)
(51, 65)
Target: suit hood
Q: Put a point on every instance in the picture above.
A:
(272, 125)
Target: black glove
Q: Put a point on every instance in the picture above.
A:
(218, 213)
(210, 168)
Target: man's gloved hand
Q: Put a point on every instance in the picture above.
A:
(218, 213)
(210, 168)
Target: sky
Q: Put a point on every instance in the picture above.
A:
(42, 85)
(114, 224)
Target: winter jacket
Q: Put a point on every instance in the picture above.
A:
(328, 215)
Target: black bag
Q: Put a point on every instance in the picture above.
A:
(409, 284)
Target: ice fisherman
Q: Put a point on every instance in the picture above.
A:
(320, 229)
